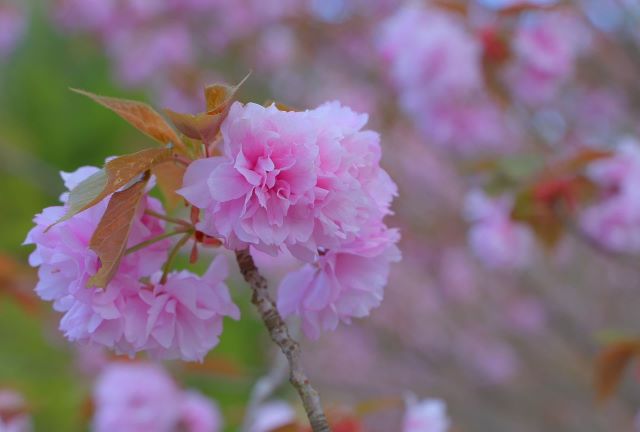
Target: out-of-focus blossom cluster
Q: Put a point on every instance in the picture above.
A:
(435, 64)
(497, 240)
(614, 221)
(137, 397)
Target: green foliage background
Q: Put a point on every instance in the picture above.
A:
(45, 128)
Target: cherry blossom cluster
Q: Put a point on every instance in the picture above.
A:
(439, 62)
(179, 318)
(308, 184)
(140, 396)
(497, 240)
(614, 220)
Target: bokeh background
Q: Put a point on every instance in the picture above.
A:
(501, 318)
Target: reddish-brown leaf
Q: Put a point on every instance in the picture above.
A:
(169, 176)
(110, 238)
(290, 427)
(16, 283)
(583, 158)
(220, 96)
(542, 218)
(139, 115)
(455, 6)
(611, 364)
(217, 365)
(205, 126)
(523, 7)
(115, 175)
(371, 406)
(495, 44)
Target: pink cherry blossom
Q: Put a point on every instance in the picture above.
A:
(199, 414)
(65, 263)
(428, 415)
(614, 221)
(344, 283)
(495, 239)
(181, 318)
(136, 397)
(300, 180)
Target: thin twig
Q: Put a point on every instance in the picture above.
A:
(172, 255)
(144, 244)
(167, 218)
(279, 333)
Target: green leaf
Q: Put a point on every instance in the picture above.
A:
(116, 174)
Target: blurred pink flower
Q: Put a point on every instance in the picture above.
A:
(614, 221)
(428, 415)
(435, 65)
(496, 240)
(199, 413)
(136, 397)
(141, 54)
(489, 358)
(430, 52)
(546, 47)
(12, 27)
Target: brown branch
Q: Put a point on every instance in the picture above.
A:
(279, 333)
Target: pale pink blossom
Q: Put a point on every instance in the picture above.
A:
(65, 264)
(295, 180)
(614, 221)
(427, 415)
(496, 240)
(199, 413)
(434, 63)
(136, 397)
(344, 283)
(547, 47)
(181, 318)
(430, 52)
